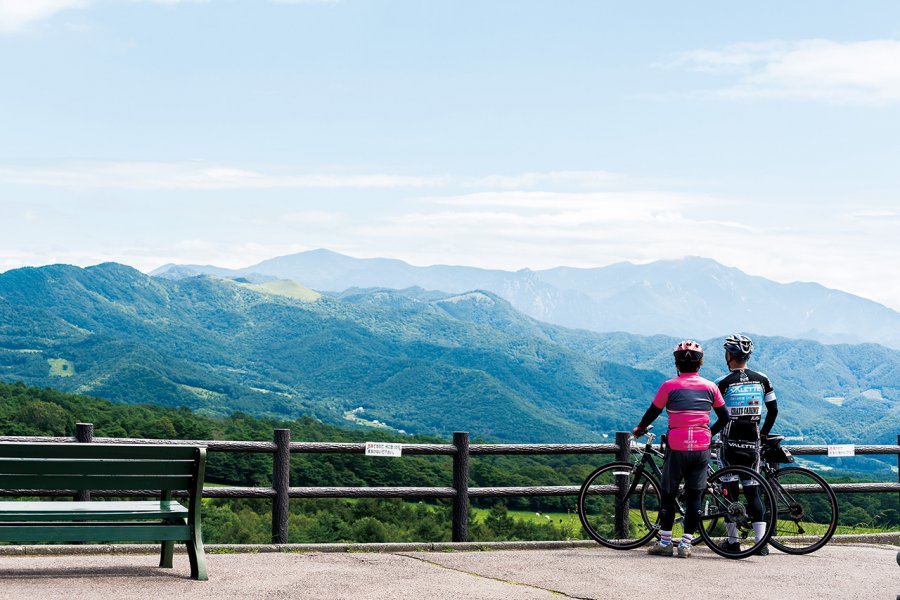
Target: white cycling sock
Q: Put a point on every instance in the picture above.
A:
(731, 530)
(759, 529)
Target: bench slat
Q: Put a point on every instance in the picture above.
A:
(67, 466)
(92, 532)
(95, 482)
(57, 450)
(94, 511)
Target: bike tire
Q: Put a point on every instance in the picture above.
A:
(804, 521)
(597, 500)
(719, 509)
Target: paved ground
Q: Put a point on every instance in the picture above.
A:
(860, 571)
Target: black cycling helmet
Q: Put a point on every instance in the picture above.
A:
(739, 345)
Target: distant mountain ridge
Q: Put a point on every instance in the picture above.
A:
(414, 360)
(693, 297)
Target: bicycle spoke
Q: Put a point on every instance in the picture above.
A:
(807, 510)
(737, 512)
(611, 510)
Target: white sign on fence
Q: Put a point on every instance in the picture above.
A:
(841, 450)
(383, 449)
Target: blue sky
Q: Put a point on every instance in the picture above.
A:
(764, 135)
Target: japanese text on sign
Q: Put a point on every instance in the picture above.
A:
(841, 450)
(383, 449)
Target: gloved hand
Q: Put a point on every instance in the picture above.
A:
(638, 431)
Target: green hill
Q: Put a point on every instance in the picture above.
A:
(410, 360)
(216, 346)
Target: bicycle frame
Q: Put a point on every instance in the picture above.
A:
(649, 453)
(711, 514)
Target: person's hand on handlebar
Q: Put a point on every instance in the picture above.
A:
(638, 431)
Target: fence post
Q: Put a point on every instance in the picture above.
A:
(461, 485)
(84, 434)
(281, 475)
(623, 441)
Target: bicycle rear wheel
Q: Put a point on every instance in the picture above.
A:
(727, 520)
(807, 510)
(610, 505)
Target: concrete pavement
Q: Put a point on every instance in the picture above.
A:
(846, 572)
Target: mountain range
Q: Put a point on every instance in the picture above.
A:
(217, 346)
(692, 297)
(412, 360)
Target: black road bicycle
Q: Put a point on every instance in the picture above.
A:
(806, 507)
(619, 503)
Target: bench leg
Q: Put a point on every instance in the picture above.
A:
(198, 560)
(165, 554)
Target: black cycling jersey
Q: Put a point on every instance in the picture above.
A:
(745, 391)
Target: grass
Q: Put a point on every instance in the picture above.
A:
(568, 522)
(864, 528)
(543, 518)
(201, 392)
(60, 367)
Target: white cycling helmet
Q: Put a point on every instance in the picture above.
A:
(738, 345)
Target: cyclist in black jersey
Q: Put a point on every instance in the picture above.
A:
(745, 392)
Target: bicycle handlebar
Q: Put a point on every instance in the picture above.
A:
(646, 433)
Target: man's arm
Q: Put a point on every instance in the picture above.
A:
(771, 414)
(721, 420)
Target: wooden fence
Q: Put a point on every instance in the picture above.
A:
(281, 447)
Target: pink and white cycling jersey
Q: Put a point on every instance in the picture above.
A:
(688, 399)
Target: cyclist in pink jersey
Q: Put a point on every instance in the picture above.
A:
(688, 400)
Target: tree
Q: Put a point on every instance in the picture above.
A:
(44, 418)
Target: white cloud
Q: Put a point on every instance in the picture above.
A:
(194, 176)
(306, 1)
(627, 204)
(545, 229)
(170, 2)
(863, 73)
(735, 58)
(195, 245)
(883, 216)
(201, 175)
(16, 14)
(583, 179)
(314, 218)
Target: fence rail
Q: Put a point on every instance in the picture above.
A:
(460, 450)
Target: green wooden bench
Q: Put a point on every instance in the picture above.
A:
(120, 468)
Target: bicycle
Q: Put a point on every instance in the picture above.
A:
(806, 506)
(619, 502)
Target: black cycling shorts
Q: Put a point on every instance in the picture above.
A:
(740, 453)
(687, 465)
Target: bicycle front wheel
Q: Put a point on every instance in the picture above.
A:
(737, 512)
(807, 510)
(610, 505)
